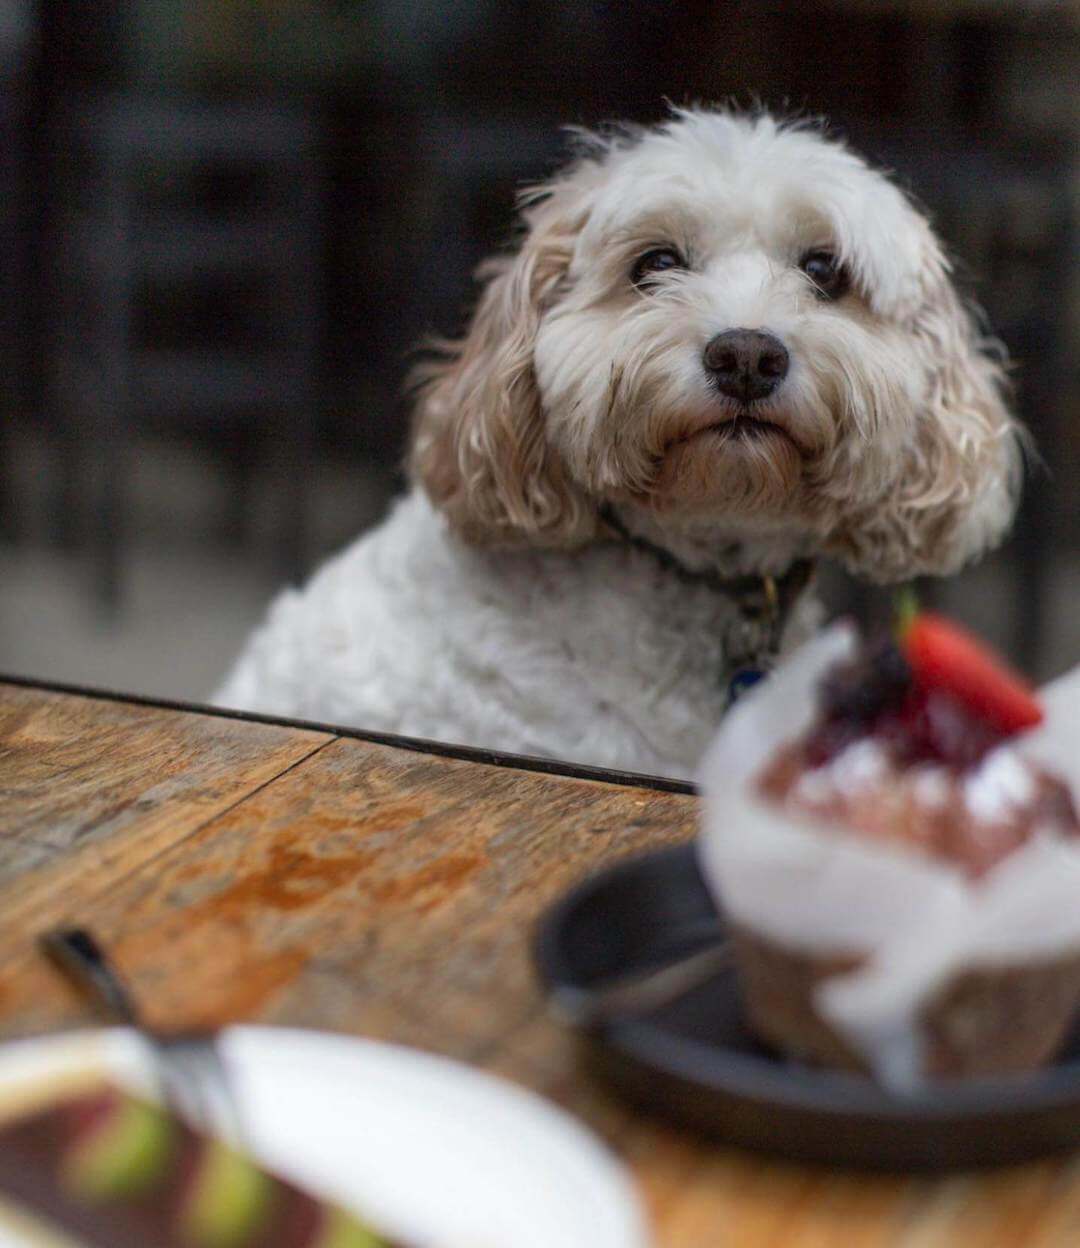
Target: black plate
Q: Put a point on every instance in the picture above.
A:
(694, 1060)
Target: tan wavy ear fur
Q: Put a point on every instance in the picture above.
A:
(955, 489)
(479, 446)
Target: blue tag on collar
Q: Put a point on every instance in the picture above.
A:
(745, 678)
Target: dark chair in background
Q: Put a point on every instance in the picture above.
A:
(470, 163)
(16, 28)
(173, 214)
(11, 254)
(1033, 234)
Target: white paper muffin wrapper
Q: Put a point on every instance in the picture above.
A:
(916, 921)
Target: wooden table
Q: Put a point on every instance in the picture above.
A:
(244, 869)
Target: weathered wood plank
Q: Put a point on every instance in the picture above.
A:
(90, 789)
(18, 856)
(365, 879)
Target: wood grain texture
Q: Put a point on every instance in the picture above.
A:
(377, 891)
(91, 789)
(365, 881)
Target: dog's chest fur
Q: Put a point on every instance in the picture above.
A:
(598, 656)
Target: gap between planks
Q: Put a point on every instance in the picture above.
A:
(34, 907)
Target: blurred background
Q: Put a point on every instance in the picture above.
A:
(225, 224)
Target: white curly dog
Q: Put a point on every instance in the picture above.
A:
(724, 347)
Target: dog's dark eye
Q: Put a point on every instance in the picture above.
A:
(824, 269)
(658, 260)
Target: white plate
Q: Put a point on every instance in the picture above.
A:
(437, 1152)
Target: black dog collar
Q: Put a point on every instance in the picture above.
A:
(764, 602)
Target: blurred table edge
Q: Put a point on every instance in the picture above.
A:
(421, 745)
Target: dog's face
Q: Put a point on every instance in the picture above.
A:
(733, 331)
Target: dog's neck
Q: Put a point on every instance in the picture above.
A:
(709, 550)
(763, 599)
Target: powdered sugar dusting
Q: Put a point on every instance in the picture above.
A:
(815, 788)
(1001, 784)
(859, 767)
(931, 787)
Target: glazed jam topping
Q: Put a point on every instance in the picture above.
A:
(876, 695)
(896, 761)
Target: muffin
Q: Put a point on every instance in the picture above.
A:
(890, 829)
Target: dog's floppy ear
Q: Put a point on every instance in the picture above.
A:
(479, 445)
(958, 478)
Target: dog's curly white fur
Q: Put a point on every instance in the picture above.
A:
(494, 608)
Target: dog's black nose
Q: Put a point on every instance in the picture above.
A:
(746, 363)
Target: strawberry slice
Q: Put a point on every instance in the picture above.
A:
(945, 656)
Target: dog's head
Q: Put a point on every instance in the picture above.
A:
(731, 329)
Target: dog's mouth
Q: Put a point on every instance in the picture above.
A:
(750, 427)
(713, 459)
(739, 427)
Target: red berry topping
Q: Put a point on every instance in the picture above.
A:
(945, 657)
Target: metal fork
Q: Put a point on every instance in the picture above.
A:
(191, 1072)
(639, 991)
